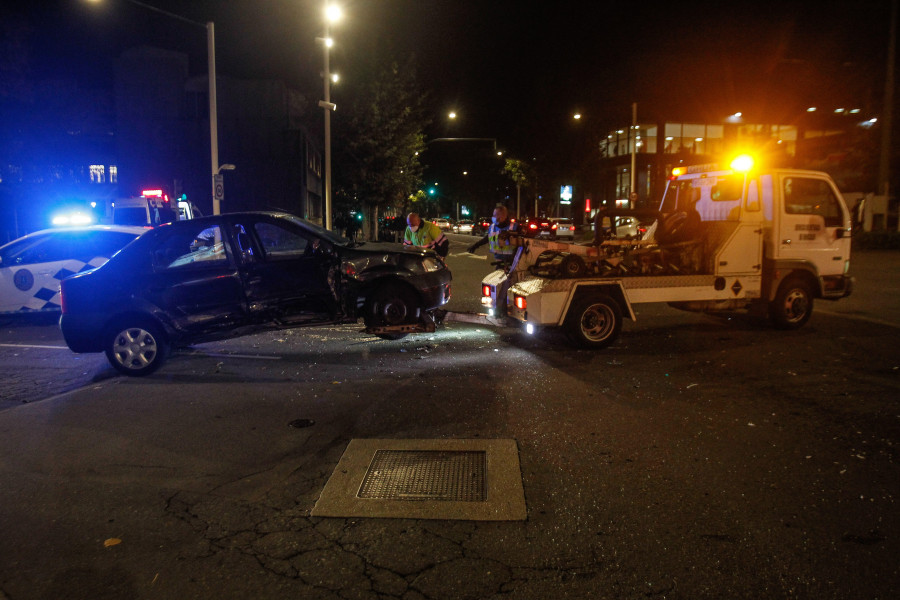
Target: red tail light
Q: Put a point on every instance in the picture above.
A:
(532, 226)
(486, 291)
(554, 226)
(521, 303)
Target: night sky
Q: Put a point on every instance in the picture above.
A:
(512, 70)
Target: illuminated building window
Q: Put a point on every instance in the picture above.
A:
(113, 174)
(98, 174)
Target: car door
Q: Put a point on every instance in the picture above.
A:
(289, 273)
(194, 278)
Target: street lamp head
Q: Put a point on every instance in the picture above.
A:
(451, 114)
(226, 167)
(333, 13)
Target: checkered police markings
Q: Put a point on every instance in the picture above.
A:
(46, 296)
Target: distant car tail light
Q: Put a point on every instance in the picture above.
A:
(532, 226)
(521, 303)
(554, 226)
(571, 228)
(486, 290)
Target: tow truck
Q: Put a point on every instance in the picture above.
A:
(724, 239)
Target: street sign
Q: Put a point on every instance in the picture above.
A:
(219, 187)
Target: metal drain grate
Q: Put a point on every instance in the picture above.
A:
(426, 475)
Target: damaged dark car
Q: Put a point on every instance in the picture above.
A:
(238, 273)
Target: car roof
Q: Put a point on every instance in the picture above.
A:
(136, 230)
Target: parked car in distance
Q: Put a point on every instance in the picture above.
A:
(32, 266)
(444, 224)
(464, 226)
(630, 228)
(227, 275)
(539, 227)
(481, 226)
(565, 228)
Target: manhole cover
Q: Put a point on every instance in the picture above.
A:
(426, 475)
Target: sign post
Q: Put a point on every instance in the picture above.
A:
(218, 191)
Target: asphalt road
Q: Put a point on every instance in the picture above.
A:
(698, 457)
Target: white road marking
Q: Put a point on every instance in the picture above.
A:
(34, 346)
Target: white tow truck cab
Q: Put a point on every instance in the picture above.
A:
(723, 240)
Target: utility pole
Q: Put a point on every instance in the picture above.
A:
(887, 120)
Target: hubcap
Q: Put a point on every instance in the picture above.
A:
(597, 322)
(135, 348)
(394, 312)
(795, 305)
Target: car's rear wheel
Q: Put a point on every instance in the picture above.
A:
(392, 305)
(136, 347)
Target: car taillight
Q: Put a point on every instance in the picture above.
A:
(521, 303)
(554, 226)
(532, 226)
(486, 290)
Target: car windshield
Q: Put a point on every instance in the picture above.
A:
(320, 231)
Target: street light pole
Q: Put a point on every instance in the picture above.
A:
(327, 106)
(213, 115)
(332, 13)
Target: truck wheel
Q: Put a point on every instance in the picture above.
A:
(391, 304)
(793, 304)
(136, 347)
(573, 267)
(594, 321)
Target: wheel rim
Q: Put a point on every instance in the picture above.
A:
(394, 312)
(597, 322)
(135, 348)
(796, 305)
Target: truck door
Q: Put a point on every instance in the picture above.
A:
(742, 252)
(810, 222)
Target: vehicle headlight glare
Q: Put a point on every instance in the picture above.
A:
(529, 329)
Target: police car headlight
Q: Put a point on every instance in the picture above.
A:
(431, 265)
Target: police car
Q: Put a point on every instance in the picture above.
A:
(32, 266)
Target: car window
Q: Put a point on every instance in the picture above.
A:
(196, 246)
(91, 244)
(24, 252)
(280, 242)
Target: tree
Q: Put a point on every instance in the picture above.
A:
(521, 174)
(378, 139)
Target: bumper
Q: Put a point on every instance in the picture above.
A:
(435, 289)
(83, 333)
(837, 286)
